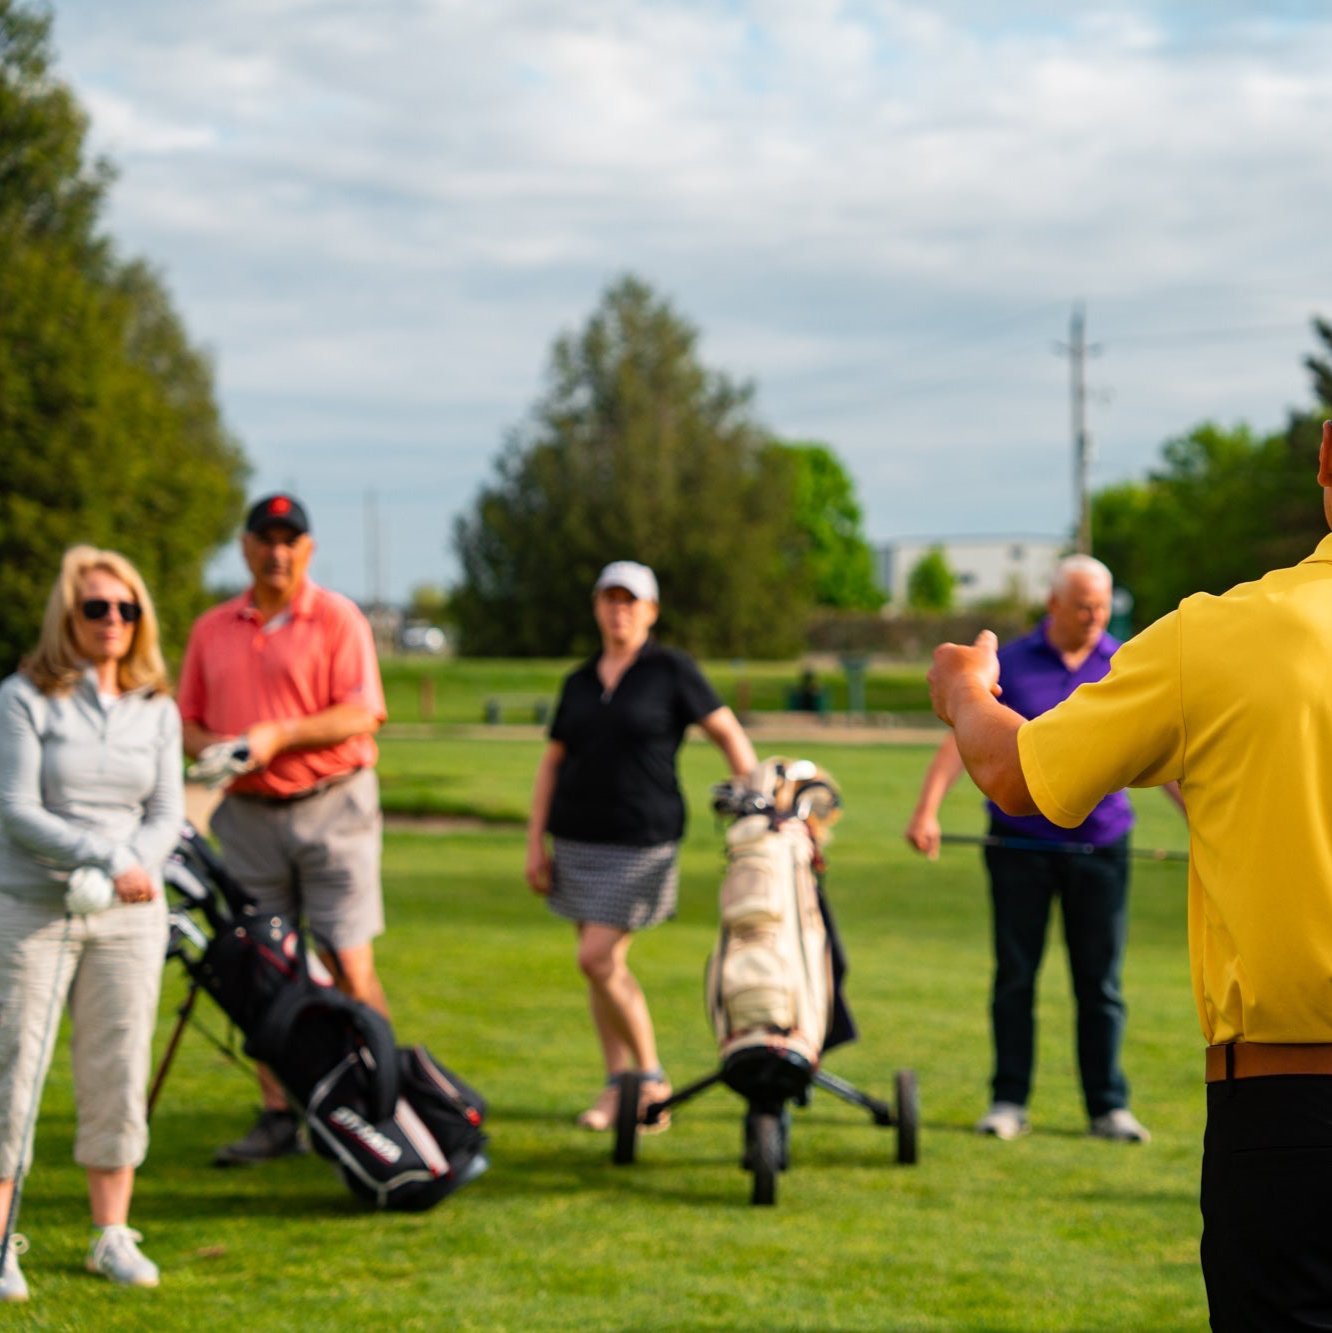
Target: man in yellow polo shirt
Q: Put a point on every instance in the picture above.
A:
(1232, 696)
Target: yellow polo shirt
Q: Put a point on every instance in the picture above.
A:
(1232, 696)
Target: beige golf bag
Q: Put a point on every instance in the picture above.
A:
(769, 980)
(770, 977)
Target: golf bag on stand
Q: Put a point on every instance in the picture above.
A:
(773, 982)
(403, 1131)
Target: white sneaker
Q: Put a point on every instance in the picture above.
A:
(1004, 1120)
(1121, 1125)
(114, 1253)
(13, 1287)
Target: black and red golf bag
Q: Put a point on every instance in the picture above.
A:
(403, 1131)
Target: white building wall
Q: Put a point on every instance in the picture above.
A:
(986, 567)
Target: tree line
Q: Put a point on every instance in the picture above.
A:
(109, 430)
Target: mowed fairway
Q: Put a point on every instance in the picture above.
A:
(1055, 1231)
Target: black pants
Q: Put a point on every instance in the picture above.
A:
(1267, 1203)
(1093, 894)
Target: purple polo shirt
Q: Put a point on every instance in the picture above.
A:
(1034, 680)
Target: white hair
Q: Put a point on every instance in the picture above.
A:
(1073, 565)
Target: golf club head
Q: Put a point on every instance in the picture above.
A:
(181, 930)
(816, 797)
(180, 877)
(197, 853)
(737, 799)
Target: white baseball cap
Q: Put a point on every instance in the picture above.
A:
(631, 576)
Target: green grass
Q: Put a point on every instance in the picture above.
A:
(1055, 1231)
(487, 777)
(461, 690)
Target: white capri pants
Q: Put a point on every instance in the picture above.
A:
(109, 972)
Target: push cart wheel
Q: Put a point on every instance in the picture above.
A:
(626, 1118)
(766, 1156)
(908, 1117)
(752, 1117)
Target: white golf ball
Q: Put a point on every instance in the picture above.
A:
(89, 890)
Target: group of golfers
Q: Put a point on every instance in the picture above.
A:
(1223, 702)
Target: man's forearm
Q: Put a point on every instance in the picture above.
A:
(944, 770)
(273, 736)
(332, 726)
(986, 734)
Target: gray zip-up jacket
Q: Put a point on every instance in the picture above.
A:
(85, 784)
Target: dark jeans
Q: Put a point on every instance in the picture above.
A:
(1267, 1204)
(1093, 893)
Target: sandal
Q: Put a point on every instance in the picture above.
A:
(661, 1090)
(601, 1114)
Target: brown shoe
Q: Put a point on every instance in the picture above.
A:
(601, 1114)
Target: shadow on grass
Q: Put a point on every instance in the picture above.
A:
(330, 1198)
(1138, 1197)
(689, 1173)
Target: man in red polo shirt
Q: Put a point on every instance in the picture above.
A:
(291, 668)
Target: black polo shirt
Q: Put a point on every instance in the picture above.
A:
(617, 782)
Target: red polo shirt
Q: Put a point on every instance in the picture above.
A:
(319, 653)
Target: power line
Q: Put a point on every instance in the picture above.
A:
(1206, 335)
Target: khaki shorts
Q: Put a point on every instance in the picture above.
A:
(315, 858)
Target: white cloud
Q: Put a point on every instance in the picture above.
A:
(380, 217)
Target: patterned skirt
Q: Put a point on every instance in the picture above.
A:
(628, 887)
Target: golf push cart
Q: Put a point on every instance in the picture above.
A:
(773, 988)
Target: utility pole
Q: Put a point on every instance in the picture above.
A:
(374, 554)
(1077, 351)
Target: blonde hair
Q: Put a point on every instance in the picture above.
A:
(56, 664)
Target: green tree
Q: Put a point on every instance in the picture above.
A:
(109, 432)
(1320, 367)
(827, 522)
(930, 582)
(428, 602)
(636, 451)
(1224, 508)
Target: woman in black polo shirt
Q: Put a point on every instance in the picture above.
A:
(606, 792)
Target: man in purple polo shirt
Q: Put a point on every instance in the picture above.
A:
(1069, 647)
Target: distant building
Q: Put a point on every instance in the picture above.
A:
(987, 568)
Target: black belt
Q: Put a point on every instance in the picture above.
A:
(264, 798)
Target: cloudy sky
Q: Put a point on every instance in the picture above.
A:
(377, 217)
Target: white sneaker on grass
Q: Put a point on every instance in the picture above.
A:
(114, 1253)
(1121, 1125)
(1004, 1120)
(13, 1287)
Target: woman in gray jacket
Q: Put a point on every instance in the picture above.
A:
(90, 806)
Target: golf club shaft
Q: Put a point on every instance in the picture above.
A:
(1068, 848)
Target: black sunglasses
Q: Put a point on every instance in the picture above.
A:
(98, 608)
